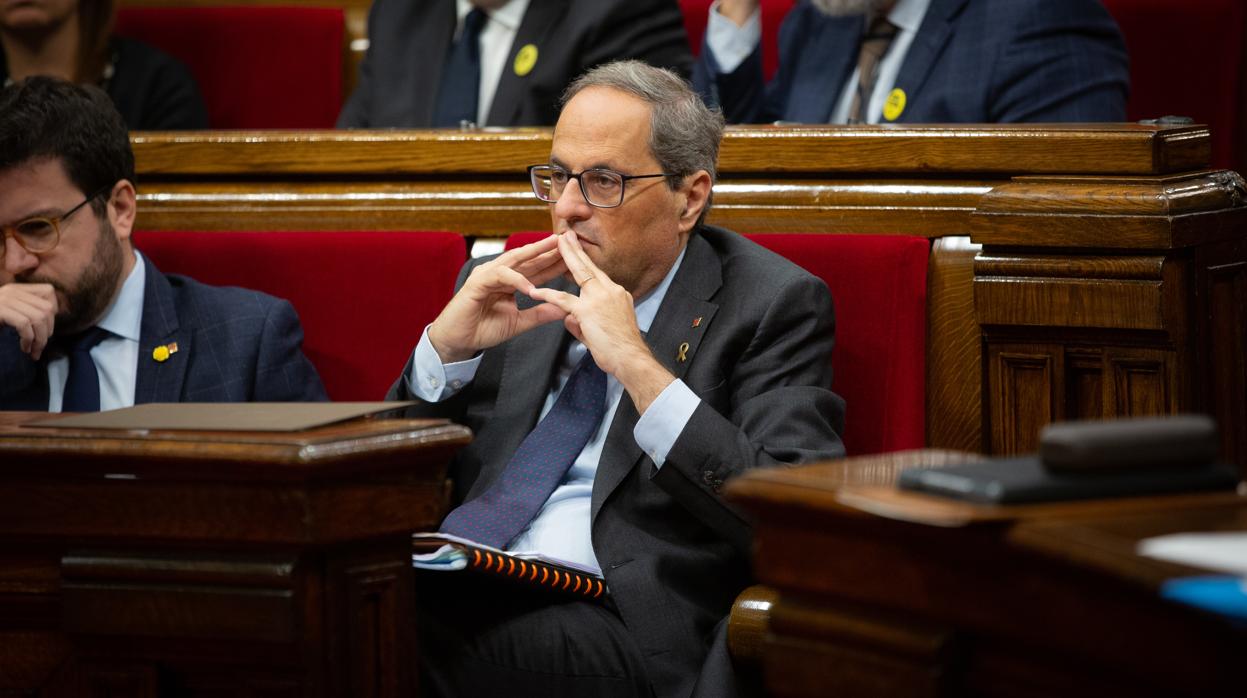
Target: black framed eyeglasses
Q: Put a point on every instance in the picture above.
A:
(42, 234)
(601, 187)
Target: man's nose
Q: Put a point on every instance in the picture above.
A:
(16, 259)
(572, 204)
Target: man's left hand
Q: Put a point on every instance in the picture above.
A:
(603, 317)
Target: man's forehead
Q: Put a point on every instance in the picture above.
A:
(602, 127)
(47, 171)
(34, 187)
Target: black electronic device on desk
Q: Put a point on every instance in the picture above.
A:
(1092, 460)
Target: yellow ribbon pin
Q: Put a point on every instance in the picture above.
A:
(525, 59)
(894, 105)
(162, 353)
(682, 354)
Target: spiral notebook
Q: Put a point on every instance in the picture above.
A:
(445, 553)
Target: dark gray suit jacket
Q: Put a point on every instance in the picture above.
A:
(972, 61)
(674, 554)
(234, 345)
(408, 41)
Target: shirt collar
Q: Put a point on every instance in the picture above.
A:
(124, 317)
(647, 307)
(509, 15)
(907, 15)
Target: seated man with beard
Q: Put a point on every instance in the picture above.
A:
(918, 61)
(86, 322)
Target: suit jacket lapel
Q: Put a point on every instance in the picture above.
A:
(934, 32)
(698, 279)
(832, 49)
(429, 55)
(160, 381)
(540, 18)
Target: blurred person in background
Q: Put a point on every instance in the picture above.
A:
(73, 40)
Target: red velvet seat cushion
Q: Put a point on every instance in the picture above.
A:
(1189, 59)
(773, 12)
(879, 283)
(363, 297)
(257, 67)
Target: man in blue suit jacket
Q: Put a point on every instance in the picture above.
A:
(69, 272)
(951, 61)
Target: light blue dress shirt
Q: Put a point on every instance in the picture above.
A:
(561, 529)
(731, 45)
(116, 358)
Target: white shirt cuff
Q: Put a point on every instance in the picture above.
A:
(729, 44)
(430, 379)
(664, 420)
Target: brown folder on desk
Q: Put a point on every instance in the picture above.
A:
(217, 416)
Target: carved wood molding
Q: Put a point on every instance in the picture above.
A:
(1161, 213)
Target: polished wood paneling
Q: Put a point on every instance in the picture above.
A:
(1023, 378)
(211, 563)
(954, 348)
(1003, 150)
(880, 592)
(1220, 312)
(1143, 213)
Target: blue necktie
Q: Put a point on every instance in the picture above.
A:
(82, 385)
(457, 95)
(539, 464)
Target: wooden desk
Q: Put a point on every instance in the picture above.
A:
(215, 564)
(881, 593)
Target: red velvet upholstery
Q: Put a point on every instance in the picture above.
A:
(363, 297)
(257, 67)
(879, 283)
(1189, 59)
(773, 12)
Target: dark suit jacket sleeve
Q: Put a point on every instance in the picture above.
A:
(154, 91)
(1065, 61)
(743, 94)
(283, 373)
(355, 112)
(776, 408)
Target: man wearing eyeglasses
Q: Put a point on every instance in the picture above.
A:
(615, 374)
(87, 323)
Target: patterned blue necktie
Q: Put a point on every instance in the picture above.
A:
(539, 464)
(459, 91)
(82, 384)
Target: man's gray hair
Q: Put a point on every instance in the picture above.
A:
(684, 132)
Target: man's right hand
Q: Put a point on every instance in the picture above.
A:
(31, 310)
(739, 11)
(484, 313)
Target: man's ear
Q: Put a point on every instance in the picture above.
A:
(696, 197)
(122, 207)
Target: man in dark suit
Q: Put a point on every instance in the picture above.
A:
(927, 61)
(716, 357)
(519, 56)
(86, 323)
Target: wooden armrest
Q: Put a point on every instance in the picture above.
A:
(747, 625)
